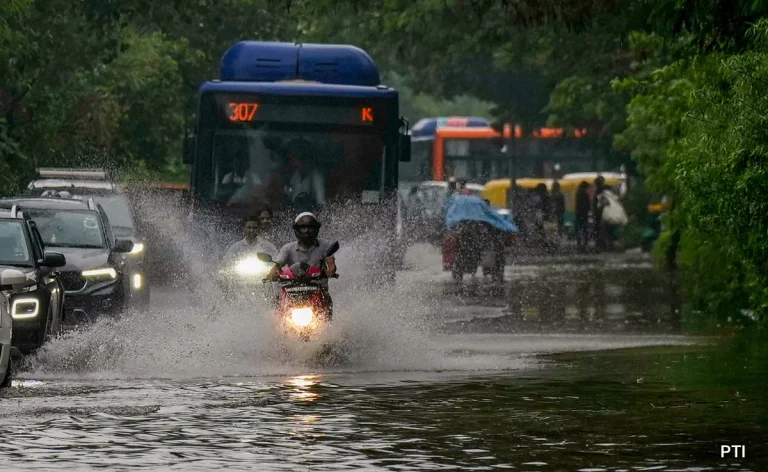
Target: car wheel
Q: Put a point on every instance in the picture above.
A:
(8, 374)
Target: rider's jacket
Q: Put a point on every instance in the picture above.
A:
(292, 253)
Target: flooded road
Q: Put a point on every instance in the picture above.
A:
(581, 366)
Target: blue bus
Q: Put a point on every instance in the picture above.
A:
(296, 127)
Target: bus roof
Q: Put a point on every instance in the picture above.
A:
(267, 61)
(467, 132)
(293, 88)
(427, 126)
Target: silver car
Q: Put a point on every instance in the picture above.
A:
(8, 279)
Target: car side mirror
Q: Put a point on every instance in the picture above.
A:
(264, 257)
(54, 259)
(123, 245)
(332, 250)
(405, 148)
(189, 148)
(12, 279)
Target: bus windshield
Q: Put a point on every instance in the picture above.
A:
(279, 163)
(476, 160)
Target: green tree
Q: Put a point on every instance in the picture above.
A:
(112, 83)
(415, 106)
(696, 128)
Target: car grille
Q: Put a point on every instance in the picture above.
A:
(72, 281)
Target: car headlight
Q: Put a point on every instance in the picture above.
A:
(102, 273)
(137, 248)
(302, 316)
(25, 308)
(252, 266)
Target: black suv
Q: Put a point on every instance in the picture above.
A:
(36, 305)
(85, 183)
(96, 278)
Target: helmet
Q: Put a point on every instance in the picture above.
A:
(306, 227)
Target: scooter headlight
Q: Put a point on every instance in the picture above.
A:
(302, 317)
(252, 266)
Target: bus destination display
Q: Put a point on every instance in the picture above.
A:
(246, 111)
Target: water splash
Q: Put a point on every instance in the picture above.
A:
(200, 333)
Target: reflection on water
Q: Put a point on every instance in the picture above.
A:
(303, 388)
(661, 409)
(467, 401)
(596, 300)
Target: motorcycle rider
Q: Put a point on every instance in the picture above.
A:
(253, 241)
(307, 248)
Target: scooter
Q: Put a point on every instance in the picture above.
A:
(304, 307)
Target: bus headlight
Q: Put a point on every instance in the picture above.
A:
(24, 308)
(106, 272)
(252, 266)
(302, 317)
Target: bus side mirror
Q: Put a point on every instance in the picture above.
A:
(189, 148)
(405, 148)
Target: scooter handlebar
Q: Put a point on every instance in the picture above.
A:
(275, 279)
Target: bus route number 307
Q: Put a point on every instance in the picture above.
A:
(242, 111)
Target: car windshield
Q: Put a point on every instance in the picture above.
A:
(63, 228)
(117, 210)
(13, 244)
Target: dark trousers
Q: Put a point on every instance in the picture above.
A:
(599, 232)
(582, 231)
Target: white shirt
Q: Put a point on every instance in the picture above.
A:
(242, 248)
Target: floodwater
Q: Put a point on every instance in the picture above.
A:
(569, 366)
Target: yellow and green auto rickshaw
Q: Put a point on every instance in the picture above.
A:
(569, 185)
(496, 190)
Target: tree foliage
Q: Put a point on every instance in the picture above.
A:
(112, 83)
(697, 129)
(678, 84)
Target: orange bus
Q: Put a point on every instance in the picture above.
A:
(469, 148)
(471, 153)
